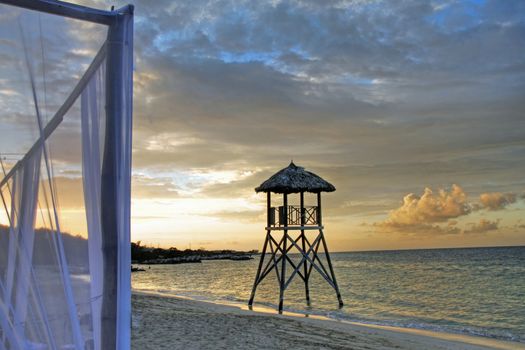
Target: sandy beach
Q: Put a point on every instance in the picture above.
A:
(167, 322)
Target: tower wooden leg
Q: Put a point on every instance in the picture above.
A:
(283, 273)
(305, 269)
(329, 261)
(258, 275)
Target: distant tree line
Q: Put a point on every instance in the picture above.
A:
(141, 253)
(76, 249)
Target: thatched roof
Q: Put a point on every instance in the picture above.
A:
(294, 179)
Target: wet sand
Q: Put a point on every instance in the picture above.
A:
(167, 322)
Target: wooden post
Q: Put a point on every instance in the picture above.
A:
(329, 261)
(263, 253)
(284, 252)
(319, 215)
(109, 182)
(268, 208)
(325, 247)
(258, 275)
(303, 243)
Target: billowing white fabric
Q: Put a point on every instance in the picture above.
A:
(25, 233)
(38, 308)
(51, 282)
(13, 239)
(24, 192)
(91, 111)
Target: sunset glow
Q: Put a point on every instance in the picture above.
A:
(413, 111)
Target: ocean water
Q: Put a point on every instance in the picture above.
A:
(475, 291)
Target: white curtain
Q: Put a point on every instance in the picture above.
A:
(51, 281)
(25, 234)
(16, 286)
(92, 99)
(55, 301)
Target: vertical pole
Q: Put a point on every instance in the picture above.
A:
(303, 243)
(283, 263)
(325, 247)
(319, 215)
(258, 275)
(114, 149)
(329, 261)
(268, 209)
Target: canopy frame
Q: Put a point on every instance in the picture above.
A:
(116, 318)
(66, 9)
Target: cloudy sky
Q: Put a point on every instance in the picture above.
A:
(414, 110)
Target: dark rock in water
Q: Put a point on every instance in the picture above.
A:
(197, 258)
(177, 260)
(228, 256)
(137, 269)
(241, 257)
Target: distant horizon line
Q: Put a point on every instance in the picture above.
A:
(439, 248)
(358, 251)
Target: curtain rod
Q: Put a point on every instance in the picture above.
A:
(66, 9)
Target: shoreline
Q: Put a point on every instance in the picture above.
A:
(214, 319)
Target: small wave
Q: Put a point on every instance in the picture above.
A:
(461, 330)
(342, 316)
(338, 315)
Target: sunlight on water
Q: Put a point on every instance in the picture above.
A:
(473, 291)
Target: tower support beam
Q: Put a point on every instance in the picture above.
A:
(303, 243)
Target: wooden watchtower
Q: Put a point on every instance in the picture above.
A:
(294, 229)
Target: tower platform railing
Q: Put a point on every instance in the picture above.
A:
(290, 215)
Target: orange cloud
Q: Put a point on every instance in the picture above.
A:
(483, 226)
(434, 212)
(417, 228)
(497, 200)
(430, 207)
(425, 213)
(421, 213)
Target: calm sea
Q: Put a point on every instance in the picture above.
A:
(476, 291)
